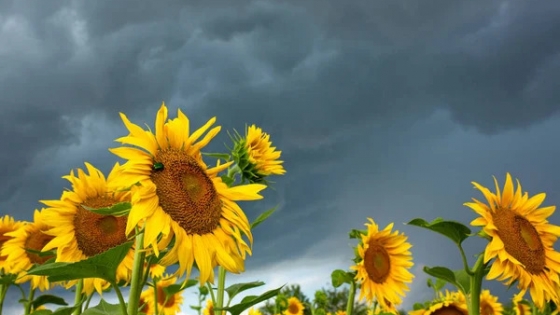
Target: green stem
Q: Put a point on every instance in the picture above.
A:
(155, 297)
(350, 303)
(120, 297)
(476, 285)
(211, 290)
(135, 284)
(465, 263)
(3, 291)
(88, 301)
(78, 297)
(221, 290)
(29, 302)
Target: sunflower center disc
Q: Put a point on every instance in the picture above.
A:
(96, 233)
(521, 239)
(377, 262)
(448, 310)
(486, 309)
(36, 240)
(186, 192)
(166, 301)
(293, 308)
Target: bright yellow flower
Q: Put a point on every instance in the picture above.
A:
(295, 307)
(489, 304)
(449, 304)
(522, 240)
(254, 311)
(209, 309)
(180, 196)
(384, 269)
(7, 225)
(166, 305)
(19, 260)
(79, 233)
(519, 305)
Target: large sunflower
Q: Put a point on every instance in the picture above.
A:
(180, 196)
(522, 240)
(384, 269)
(255, 155)
(450, 303)
(7, 225)
(295, 307)
(166, 304)
(19, 259)
(79, 233)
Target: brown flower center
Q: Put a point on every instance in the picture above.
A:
(3, 239)
(377, 262)
(186, 192)
(163, 299)
(144, 307)
(486, 309)
(36, 240)
(293, 308)
(521, 239)
(449, 310)
(96, 233)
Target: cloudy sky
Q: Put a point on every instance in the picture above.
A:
(382, 109)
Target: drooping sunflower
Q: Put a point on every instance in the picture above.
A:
(166, 304)
(79, 233)
(519, 305)
(384, 267)
(521, 240)
(450, 303)
(18, 259)
(255, 155)
(7, 225)
(180, 196)
(209, 309)
(489, 304)
(295, 307)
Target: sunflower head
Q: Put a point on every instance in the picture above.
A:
(521, 240)
(450, 303)
(383, 267)
(7, 225)
(178, 197)
(209, 309)
(254, 311)
(166, 304)
(255, 156)
(21, 251)
(295, 307)
(489, 304)
(78, 233)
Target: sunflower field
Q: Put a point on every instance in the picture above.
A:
(172, 208)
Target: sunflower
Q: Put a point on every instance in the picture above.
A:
(180, 196)
(144, 303)
(18, 259)
(166, 304)
(7, 225)
(254, 311)
(78, 233)
(453, 303)
(489, 304)
(520, 306)
(521, 240)
(209, 309)
(255, 156)
(295, 307)
(383, 270)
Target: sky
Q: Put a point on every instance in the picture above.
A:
(382, 109)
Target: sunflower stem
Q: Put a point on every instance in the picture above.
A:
(476, 285)
(78, 297)
(120, 297)
(221, 289)
(156, 311)
(350, 303)
(135, 283)
(465, 262)
(29, 301)
(3, 291)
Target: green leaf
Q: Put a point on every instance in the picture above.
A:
(263, 216)
(456, 231)
(463, 279)
(8, 279)
(64, 310)
(102, 266)
(118, 209)
(223, 156)
(249, 301)
(104, 308)
(444, 274)
(187, 284)
(339, 277)
(48, 299)
(237, 288)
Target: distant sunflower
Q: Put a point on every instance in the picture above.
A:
(255, 155)
(254, 311)
(384, 269)
(19, 259)
(450, 303)
(522, 240)
(520, 306)
(209, 309)
(489, 304)
(179, 195)
(145, 304)
(7, 225)
(295, 307)
(79, 233)
(166, 304)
